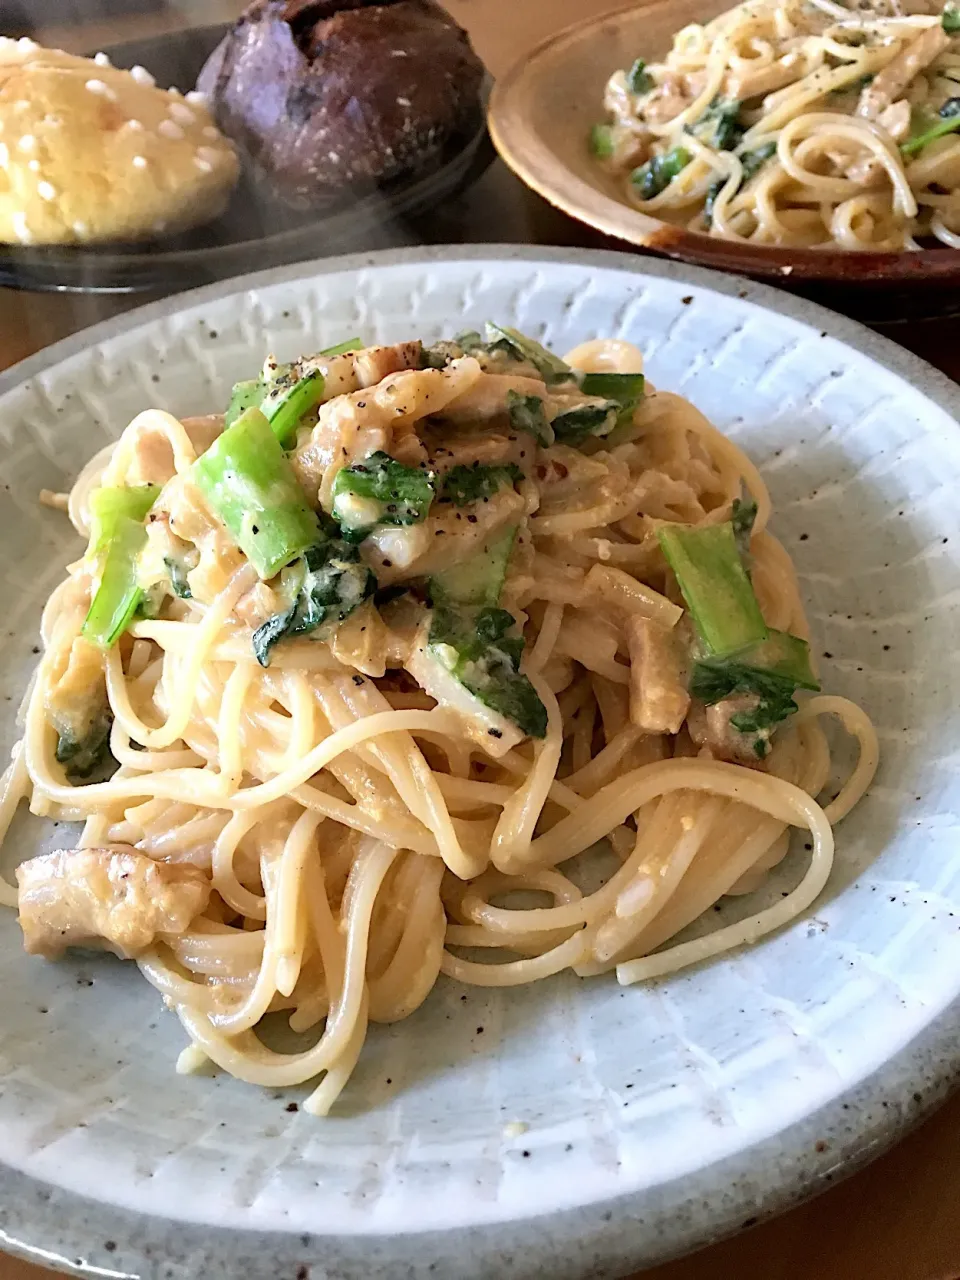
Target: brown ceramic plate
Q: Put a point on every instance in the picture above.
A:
(540, 116)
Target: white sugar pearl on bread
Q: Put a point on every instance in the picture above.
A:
(94, 153)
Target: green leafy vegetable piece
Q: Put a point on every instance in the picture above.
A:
(949, 122)
(601, 141)
(550, 367)
(625, 388)
(245, 395)
(84, 756)
(770, 671)
(719, 126)
(331, 581)
(178, 578)
(439, 355)
(289, 400)
(472, 482)
(117, 537)
(476, 647)
(752, 162)
(576, 424)
(341, 349)
(380, 490)
(469, 340)
(713, 191)
(742, 518)
(950, 19)
(657, 174)
(639, 79)
(479, 579)
(715, 586)
(526, 414)
(249, 485)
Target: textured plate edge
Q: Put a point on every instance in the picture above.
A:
(72, 1233)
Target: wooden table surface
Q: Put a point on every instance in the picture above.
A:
(900, 1218)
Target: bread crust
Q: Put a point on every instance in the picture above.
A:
(90, 153)
(327, 95)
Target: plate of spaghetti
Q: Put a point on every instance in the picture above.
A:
(812, 139)
(458, 690)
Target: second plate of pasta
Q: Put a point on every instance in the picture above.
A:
(810, 141)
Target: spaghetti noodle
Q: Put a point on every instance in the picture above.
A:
(364, 694)
(798, 123)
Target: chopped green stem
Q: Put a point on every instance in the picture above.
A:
(526, 414)
(715, 586)
(249, 485)
(477, 580)
(285, 407)
(578, 423)
(116, 540)
(550, 367)
(245, 395)
(476, 648)
(601, 141)
(625, 388)
(472, 482)
(341, 349)
(380, 490)
(948, 123)
(657, 174)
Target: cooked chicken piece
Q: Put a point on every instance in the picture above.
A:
(373, 364)
(758, 82)
(76, 693)
(203, 429)
(181, 508)
(631, 146)
(361, 368)
(894, 78)
(361, 640)
(151, 460)
(113, 898)
(865, 171)
(896, 120)
(487, 398)
(162, 546)
(614, 588)
(710, 727)
(668, 99)
(258, 604)
(489, 448)
(382, 417)
(443, 539)
(658, 693)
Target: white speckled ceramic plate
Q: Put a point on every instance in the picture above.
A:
(571, 1128)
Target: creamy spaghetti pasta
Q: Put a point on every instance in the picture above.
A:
(798, 123)
(348, 681)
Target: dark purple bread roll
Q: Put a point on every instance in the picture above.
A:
(325, 95)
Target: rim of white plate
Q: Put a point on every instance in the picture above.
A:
(88, 1236)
